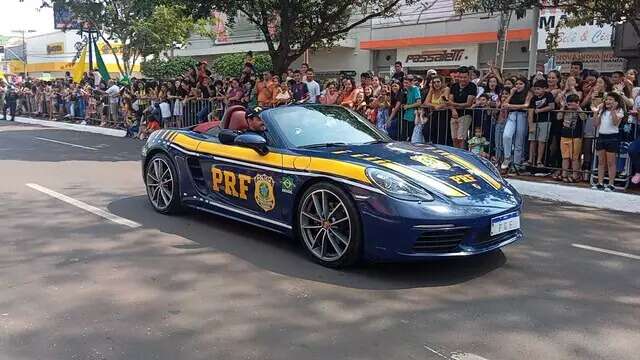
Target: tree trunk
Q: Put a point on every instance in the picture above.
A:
(280, 62)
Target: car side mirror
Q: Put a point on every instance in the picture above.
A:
(227, 137)
(253, 141)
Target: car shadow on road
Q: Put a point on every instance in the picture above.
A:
(279, 254)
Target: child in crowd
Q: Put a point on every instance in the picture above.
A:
(499, 127)
(571, 138)
(482, 113)
(541, 106)
(165, 111)
(607, 121)
(478, 143)
(384, 106)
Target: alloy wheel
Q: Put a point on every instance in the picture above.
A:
(160, 183)
(325, 225)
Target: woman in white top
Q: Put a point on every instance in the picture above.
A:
(607, 121)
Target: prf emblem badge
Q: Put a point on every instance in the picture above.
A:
(431, 162)
(288, 184)
(264, 192)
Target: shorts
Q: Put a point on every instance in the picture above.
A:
(460, 127)
(608, 142)
(542, 132)
(571, 148)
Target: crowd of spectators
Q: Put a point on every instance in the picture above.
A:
(550, 123)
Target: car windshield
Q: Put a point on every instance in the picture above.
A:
(317, 126)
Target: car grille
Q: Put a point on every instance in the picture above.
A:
(486, 241)
(440, 240)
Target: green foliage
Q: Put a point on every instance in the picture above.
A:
(160, 69)
(143, 27)
(231, 65)
(291, 27)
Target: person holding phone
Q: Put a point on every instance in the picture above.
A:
(436, 127)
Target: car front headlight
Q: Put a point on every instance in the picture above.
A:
(397, 187)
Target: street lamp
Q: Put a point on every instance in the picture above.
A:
(24, 49)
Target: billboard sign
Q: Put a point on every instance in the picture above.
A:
(585, 36)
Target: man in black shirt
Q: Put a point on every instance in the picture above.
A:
(398, 74)
(462, 96)
(299, 89)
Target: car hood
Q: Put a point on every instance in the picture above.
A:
(456, 175)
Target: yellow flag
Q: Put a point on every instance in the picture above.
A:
(1, 74)
(80, 67)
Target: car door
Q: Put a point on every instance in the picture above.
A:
(243, 182)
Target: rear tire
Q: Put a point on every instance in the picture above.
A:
(163, 189)
(328, 225)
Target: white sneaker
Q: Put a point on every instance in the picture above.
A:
(505, 164)
(83, 122)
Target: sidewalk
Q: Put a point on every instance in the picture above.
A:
(70, 126)
(579, 195)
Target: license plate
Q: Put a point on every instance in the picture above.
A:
(504, 223)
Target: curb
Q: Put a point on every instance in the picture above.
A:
(74, 127)
(579, 196)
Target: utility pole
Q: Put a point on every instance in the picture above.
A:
(533, 45)
(24, 49)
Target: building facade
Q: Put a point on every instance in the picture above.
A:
(51, 55)
(421, 38)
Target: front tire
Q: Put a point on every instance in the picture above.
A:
(161, 180)
(328, 225)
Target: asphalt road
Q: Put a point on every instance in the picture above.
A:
(74, 285)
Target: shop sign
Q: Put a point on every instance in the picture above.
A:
(439, 57)
(586, 36)
(55, 48)
(602, 61)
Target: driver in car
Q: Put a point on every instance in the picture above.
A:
(256, 124)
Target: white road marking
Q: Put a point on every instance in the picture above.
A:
(66, 143)
(84, 206)
(436, 352)
(606, 251)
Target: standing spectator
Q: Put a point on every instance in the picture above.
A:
(365, 80)
(313, 87)
(542, 104)
(572, 119)
(398, 74)
(264, 89)
(348, 95)
(283, 97)
(235, 93)
(330, 95)
(113, 92)
(461, 97)
(622, 88)
(303, 71)
(607, 121)
(382, 113)
(3, 93)
(634, 154)
(299, 89)
(632, 78)
(575, 70)
(515, 129)
(412, 103)
(10, 103)
(376, 86)
(436, 129)
(396, 103)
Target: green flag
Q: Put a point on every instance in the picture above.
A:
(102, 68)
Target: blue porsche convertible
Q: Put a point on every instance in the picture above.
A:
(326, 176)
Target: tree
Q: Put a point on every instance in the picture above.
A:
(231, 64)
(161, 69)
(141, 27)
(506, 9)
(290, 27)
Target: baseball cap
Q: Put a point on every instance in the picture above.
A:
(432, 72)
(251, 112)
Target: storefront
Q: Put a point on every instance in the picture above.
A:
(445, 53)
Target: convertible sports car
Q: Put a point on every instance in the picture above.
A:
(326, 176)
